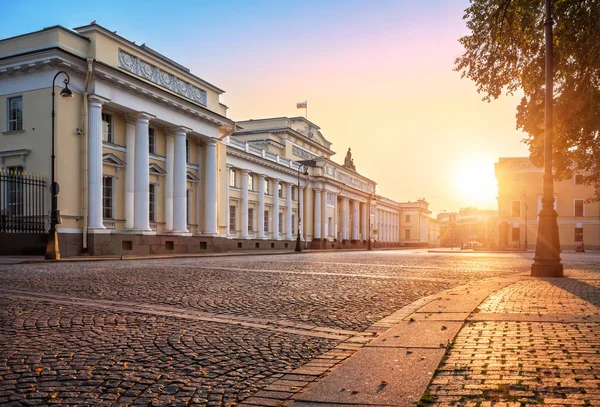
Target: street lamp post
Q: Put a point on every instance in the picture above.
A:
(52, 250)
(298, 242)
(546, 262)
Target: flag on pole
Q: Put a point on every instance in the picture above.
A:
(301, 105)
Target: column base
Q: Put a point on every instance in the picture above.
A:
(541, 269)
(99, 230)
(176, 233)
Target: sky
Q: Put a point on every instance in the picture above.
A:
(377, 75)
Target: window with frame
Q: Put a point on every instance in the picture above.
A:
(151, 141)
(14, 113)
(578, 210)
(578, 179)
(250, 219)
(516, 234)
(14, 191)
(152, 202)
(407, 233)
(294, 224)
(579, 234)
(251, 185)
(280, 193)
(330, 226)
(107, 128)
(267, 187)
(516, 209)
(517, 180)
(407, 219)
(266, 221)
(107, 197)
(280, 222)
(188, 193)
(232, 218)
(232, 178)
(187, 150)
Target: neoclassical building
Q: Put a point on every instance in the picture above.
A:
(148, 161)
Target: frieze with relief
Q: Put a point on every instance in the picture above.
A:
(524, 167)
(298, 152)
(330, 198)
(353, 181)
(156, 75)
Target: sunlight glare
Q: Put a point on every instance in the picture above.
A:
(476, 183)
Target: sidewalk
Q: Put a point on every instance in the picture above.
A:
(499, 342)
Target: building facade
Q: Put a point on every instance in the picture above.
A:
(520, 201)
(148, 161)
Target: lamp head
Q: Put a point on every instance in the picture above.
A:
(66, 92)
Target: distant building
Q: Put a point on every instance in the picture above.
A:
(468, 225)
(520, 201)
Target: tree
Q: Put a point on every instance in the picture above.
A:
(505, 53)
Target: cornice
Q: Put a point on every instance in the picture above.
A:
(258, 160)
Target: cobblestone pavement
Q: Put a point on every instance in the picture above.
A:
(534, 342)
(204, 331)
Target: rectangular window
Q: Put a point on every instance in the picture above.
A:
(107, 128)
(516, 209)
(15, 113)
(187, 205)
(152, 202)
(516, 234)
(517, 180)
(294, 193)
(407, 233)
(330, 226)
(151, 141)
(407, 218)
(187, 150)
(294, 225)
(280, 222)
(578, 207)
(578, 179)
(232, 178)
(251, 185)
(14, 191)
(107, 197)
(266, 221)
(579, 234)
(280, 193)
(267, 188)
(250, 219)
(232, 218)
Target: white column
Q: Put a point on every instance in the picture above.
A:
(261, 206)
(129, 172)
(355, 220)
(95, 163)
(317, 227)
(363, 222)
(141, 218)
(228, 224)
(334, 232)
(169, 164)
(210, 189)
(180, 182)
(324, 217)
(345, 217)
(288, 212)
(275, 209)
(301, 212)
(244, 206)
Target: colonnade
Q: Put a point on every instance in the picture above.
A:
(137, 176)
(388, 225)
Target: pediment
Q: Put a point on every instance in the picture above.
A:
(156, 169)
(112, 160)
(191, 177)
(310, 131)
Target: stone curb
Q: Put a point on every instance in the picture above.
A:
(310, 384)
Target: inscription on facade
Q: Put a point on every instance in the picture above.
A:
(352, 181)
(298, 152)
(156, 75)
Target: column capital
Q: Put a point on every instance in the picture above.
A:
(211, 142)
(245, 171)
(97, 100)
(178, 130)
(262, 176)
(143, 117)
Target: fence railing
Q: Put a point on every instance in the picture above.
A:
(22, 201)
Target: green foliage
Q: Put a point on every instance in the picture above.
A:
(505, 52)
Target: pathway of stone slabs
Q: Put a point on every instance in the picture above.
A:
(389, 364)
(513, 341)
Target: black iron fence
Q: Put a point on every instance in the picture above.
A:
(22, 198)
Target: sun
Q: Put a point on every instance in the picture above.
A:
(476, 183)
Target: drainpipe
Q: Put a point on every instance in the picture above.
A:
(84, 154)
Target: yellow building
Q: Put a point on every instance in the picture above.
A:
(520, 201)
(148, 161)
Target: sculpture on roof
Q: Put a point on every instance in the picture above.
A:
(349, 161)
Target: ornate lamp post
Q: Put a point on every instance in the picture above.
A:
(546, 262)
(52, 251)
(302, 167)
